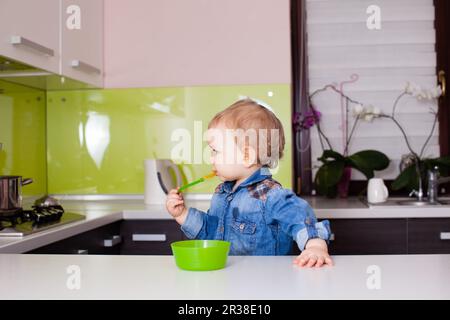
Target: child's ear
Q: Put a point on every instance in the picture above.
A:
(250, 157)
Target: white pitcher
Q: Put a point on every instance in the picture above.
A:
(377, 191)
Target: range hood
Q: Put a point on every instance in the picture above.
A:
(23, 74)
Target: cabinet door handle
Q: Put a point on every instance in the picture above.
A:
(80, 65)
(82, 251)
(112, 242)
(18, 40)
(444, 235)
(149, 237)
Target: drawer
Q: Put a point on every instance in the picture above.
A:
(429, 236)
(151, 237)
(366, 236)
(89, 242)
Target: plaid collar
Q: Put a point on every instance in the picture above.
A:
(257, 176)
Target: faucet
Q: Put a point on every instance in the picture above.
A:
(433, 183)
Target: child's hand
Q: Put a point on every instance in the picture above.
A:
(175, 204)
(315, 254)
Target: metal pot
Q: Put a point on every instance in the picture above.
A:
(11, 192)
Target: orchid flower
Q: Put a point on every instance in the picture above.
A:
(420, 93)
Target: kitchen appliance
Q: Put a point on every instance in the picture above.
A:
(11, 193)
(20, 222)
(159, 181)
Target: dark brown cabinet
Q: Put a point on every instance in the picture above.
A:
(127, 237)
(151, 237)
(429, 236)
(102, 240)
(388, 236)
(349, 237)
(368, 236)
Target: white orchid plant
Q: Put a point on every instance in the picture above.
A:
(368, 113)
(366, 161)
(333, 176)
(413, 175)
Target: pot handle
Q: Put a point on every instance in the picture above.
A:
(27, 181)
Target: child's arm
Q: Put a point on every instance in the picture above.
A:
(194, 223)
(296, 218)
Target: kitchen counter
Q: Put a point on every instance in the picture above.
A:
(157, 277)
(102, 212)
(350, 208)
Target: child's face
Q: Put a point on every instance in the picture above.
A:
(227, 158)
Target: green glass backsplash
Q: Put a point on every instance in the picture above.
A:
(97, 140)
(22, 133)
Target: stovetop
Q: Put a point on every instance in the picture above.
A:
(18, 223)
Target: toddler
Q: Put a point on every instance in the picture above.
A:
(250, 209)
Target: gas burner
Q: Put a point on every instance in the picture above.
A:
(23, 222)
(37, 216)
(44, 214)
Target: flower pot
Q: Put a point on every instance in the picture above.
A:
(344, 183)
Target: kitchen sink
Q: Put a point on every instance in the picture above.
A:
(417, 203)
(407, 202)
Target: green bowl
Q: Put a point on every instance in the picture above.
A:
(201, 255)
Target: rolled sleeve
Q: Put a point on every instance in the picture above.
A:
(200, 225)
(295, 216)
(193, 223)
(319, 230)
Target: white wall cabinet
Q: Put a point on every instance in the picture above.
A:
(29, 32)
(82, 40)
(61, 36)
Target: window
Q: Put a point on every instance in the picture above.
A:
(332, 41)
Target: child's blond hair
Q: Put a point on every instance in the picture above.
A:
(247, 114)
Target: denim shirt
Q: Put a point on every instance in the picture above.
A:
(258, 218)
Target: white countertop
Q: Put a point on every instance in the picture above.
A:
(349, 208)
(102, 212)
(157, 277)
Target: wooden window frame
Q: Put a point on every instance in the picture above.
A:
(302, 177)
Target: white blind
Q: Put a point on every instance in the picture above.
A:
(340, 44)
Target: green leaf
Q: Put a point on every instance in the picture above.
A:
(445, 161)
(367, 161)
(331, 192)
(370, 159)
(329, 174)
(407, 177)
(364, 170)
(327, 154)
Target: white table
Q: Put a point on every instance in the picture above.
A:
(157, 277)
